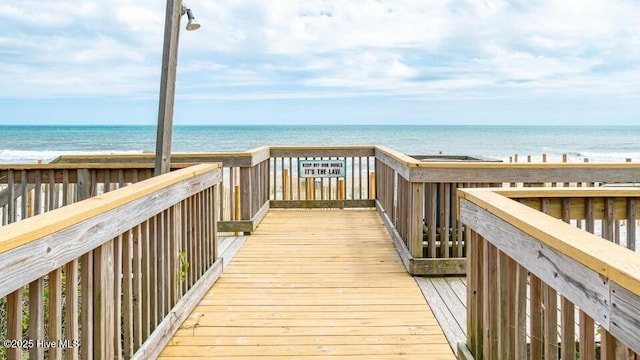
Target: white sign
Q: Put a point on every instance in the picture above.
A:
(322, 168)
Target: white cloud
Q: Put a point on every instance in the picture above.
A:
(322, 48)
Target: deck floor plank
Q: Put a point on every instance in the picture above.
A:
(310, 285)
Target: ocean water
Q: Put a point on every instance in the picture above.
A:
(28, 144)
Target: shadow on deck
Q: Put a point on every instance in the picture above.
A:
(311, 284)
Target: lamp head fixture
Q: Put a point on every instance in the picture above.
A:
(192, 24)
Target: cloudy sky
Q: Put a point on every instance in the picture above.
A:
(315, 61)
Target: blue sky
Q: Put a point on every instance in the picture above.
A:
(347, 62)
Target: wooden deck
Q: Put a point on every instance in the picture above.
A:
(309, 285)
(448, 298)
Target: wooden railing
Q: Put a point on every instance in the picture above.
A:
(243, 193)
(28, 190)
(289, 189)
(417, 199)
(266, 177)
(531, 269)
(112, 276)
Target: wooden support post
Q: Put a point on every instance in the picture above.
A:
(474, 293)
(84, 184)
(167, 86)
(416, 215)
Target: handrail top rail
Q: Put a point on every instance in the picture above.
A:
(610, 260)
(145, 157)
(410, 161)
(92, 166)
(398, 156)
(503, 165)
(322, 147)
(564, 192)
(27, 230)
(262, 151)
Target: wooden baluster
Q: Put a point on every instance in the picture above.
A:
(505, 315)
(587, 347)
(11, 203)
(608, 342)
(147, 279)
(103, 303)
(117, 294)
(491, 302)
(136, 291)
(128, 276)
(445, 212)
(536, 312)
(53, 193)
(632, 217)
(154, 276)
(432, 219)
(86, 308)
(245, 186)
(568, 332)
(550, 299)
(36, 317)
(341, 188)
(24, 197)
(55, 312)
(71, 330)
(14, 323)
(520, 310)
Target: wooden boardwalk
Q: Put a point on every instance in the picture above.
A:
(311, 285)
(448, 298)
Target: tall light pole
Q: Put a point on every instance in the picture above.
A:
(175, 10)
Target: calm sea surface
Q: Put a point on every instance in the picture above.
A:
(31, 143)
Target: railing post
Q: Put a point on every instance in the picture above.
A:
(416, 216)
(474, 294)
(84, 184)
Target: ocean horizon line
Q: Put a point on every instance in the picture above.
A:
(335, 125)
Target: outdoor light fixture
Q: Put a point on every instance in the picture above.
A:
(192, 24)
(175, 10)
